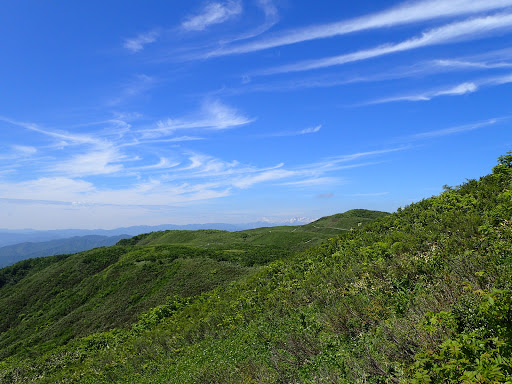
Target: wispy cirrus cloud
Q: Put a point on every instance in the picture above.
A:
(457, 31)
(17, 153)
(125, 149)
(137, 85)
(272, 175)
(493, 60)
(313, 181)
(24, 150)
(305, 131)
(466, 64)
(65, 138)
(271, 18)
(457, 129)
(457, 90)
(336, 160)
(139, 42)
(178, 178)
(92, 162)
(211, 14)
(213, 115)
(405, 13)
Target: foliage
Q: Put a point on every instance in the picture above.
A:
(478, 355)
(421, 295)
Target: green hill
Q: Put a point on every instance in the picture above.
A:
(49, 301)
(419, 296)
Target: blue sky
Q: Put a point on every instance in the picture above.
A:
(128, 113)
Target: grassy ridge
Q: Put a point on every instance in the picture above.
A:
(419, 296)
(47, 302)
(102, 289)
(296, 238)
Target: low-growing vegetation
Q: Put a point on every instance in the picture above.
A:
(423, 295)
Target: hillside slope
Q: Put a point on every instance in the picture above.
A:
(419, 296)
(49, 301)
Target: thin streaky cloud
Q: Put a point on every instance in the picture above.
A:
(168, 140)
(139, 42)
(498, 80)
(493, 60)
(336, 163)
(315, 181)
(274, 175)
(405, 13)
(460, 64)
(19, 153)
(458, 31)
(305, 131)
(271, 18)
(164, 163)
(359, 155)
(310, 130)
(96, 162)
(213, 115)
(24, 150)
(212, 13)
(458, 90)
(67, 137)
(454, 130)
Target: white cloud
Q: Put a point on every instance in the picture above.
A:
(212, 13)
(313, 181)
(406, 13)
(177, 139)
(94, 162)
(65, 138)
(463, 30)
(164, 163)
(454, 130)
(213, 115)
(305, 131)
(461, 89)
(466, 64)
(47, 188)
(138, 43)
(458, 90)
(203, 165)
(271, 18)
(359, 155)
(493, 60)
(78, 175)
(311, 130)
(498, 80)
(24, 150)
(249, 181)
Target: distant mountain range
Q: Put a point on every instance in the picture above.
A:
(11, 254)
(16, 236)
(21, 244)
